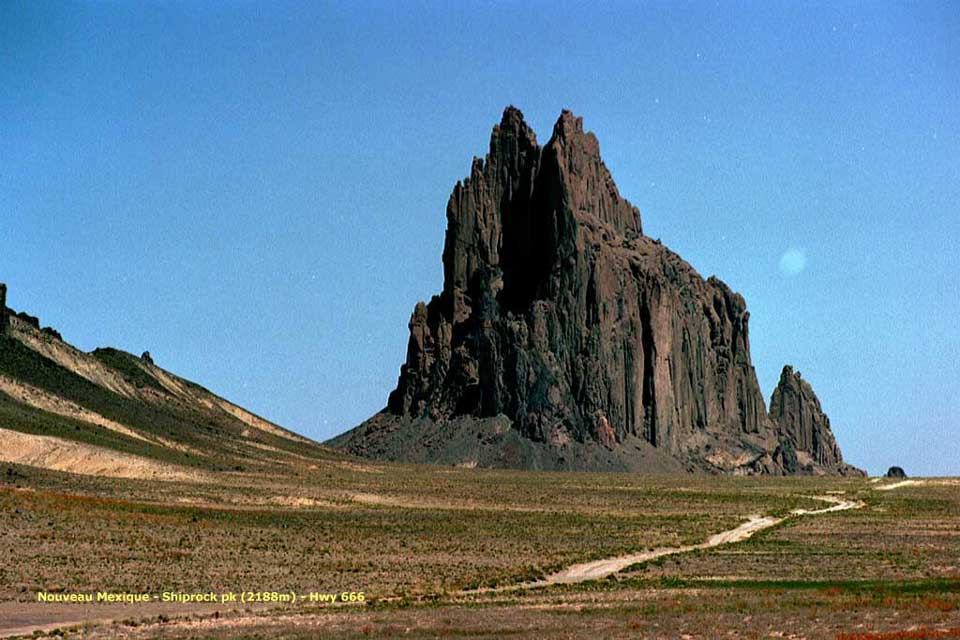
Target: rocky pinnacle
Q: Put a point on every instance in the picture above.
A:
(561, 319)
(803, 425)
(3, 308)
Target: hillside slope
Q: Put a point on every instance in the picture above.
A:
(111, 413)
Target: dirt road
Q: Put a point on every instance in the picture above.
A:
(597, 569)
(25, 618)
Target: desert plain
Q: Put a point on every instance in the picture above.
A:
(469, 553)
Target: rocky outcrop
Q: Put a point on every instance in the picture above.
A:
(33, 321)
(560, 316)
(896, 472)
(807, 443)
(3, 308)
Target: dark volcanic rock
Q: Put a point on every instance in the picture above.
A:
(53, 333)
(896, 472)
(560, 317)
(803, 424)
(33, 321)
(3, 308)
(806, 439)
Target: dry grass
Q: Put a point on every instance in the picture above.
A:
(411, 537)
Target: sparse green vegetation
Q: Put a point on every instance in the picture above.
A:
(421, 534)
(268, 512)
(126, 364)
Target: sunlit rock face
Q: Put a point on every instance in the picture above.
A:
(593, 344)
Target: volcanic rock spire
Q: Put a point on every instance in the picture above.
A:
(3, 308)
(565, 338)
(804, 427)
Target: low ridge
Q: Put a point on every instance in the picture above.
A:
(111, 413)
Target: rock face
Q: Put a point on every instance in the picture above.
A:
(596, 345)
(33, 321)
(804, 429)
(3, 308)
(896, 472)
(796, 410)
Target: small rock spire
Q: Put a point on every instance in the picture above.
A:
(803, 425)
(3, 308)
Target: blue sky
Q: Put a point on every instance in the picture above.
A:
(255, 192)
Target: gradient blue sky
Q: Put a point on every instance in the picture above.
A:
(255, 192)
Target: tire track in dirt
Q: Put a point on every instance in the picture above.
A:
(582, 572)
(597, 569)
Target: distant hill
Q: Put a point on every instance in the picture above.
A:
(564, 338)
(111, 413)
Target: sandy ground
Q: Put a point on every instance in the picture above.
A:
(578, 616)
(895, 485)
(50, 403)
(427, 503)
(83, 364)
(174, 386)
(40, 399)
(925, 481)
(251, 420)
(20, 619)
(75, 457)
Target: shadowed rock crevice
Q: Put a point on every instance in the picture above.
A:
(597, 345)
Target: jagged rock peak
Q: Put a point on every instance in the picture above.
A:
(513, 120)
(803, 425)
(574, 154)
(565, 338)
(567, 125)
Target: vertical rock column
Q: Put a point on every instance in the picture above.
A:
(803, 425)
(3, 308)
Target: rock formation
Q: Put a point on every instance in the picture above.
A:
(33, 321)
(565, 338)
(3, 308)
(804, 429)
(896, 472)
